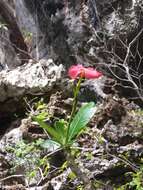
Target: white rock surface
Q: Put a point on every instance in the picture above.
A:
(31, 78)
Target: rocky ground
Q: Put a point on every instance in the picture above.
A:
(55, 34)
(110, 148)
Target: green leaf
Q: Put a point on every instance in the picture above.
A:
(52, 132)
(57, 132)
(81, 119)
(60, 127)
(64, 166)
(50, 145)
(72, 175)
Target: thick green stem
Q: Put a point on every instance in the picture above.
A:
(74, 105)
(70, 158)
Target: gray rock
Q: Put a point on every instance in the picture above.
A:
(85, 32)
(71, 25)
(93, 90)
(31, 78)
(24, 18)
(118, 16)
(8, 57)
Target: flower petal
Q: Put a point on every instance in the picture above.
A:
(92, 73)
(78, 70)
(75, 70)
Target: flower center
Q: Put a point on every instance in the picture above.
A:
(82, 73)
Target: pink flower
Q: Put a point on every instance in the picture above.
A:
(80, 71)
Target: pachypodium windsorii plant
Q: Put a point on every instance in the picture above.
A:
(64, 133)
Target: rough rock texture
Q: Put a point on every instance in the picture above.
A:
(66, 32)
(29, 78)
(29, 28)
(118, 17)
(116, 146)
(94, 33)
(72, 25)
(70, 32)
(8, 57)
(24, 18)
(108, 152)
(15, 36)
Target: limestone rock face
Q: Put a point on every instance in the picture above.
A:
(24, 18)
(70, 32)
(8, 57)
(29, 79)
(118, 16)
(94, 33)
(72, 26)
